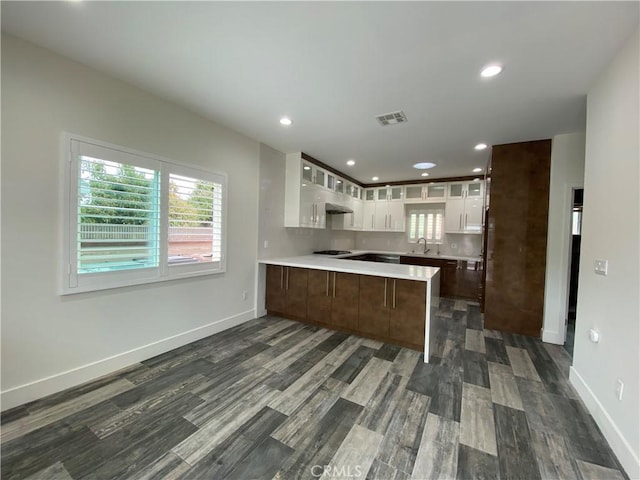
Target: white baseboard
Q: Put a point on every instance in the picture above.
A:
(626, 456)
(55, 383)
(552, 336)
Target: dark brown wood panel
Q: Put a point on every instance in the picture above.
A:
(408, 310)
(517, 237)
(449, 279)
(374, 299)
(469, 277)
(275, 288)
(295, 292)
(319, 296)
(346, 287)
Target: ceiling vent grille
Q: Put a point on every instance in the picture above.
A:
(392, 118)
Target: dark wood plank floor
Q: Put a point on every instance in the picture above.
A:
(276, 399)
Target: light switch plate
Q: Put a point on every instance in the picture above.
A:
(601, 267)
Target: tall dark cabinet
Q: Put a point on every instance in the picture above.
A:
(516, 248)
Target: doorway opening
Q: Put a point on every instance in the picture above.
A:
(576, 238)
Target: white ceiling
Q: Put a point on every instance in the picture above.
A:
(333, 66)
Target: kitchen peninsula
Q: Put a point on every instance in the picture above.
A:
(389, 302)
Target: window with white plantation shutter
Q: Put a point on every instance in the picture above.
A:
(427, 222)
(134, 218)
(195, 220)
(118, 216)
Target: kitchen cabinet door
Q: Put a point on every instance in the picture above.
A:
(473, 215)
(295, 285)
(368, 215)
(469, 278)
(345, 291)
(396, 216)
(381, 215)
(373, 316)
(454, 215)
(274, 300)
(307, 205)
(318, 296)
(449, 279)
(414, 194)
(408, 311)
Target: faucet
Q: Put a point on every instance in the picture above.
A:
(425, 244)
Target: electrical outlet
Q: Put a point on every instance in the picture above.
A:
(266, 244)
(245, 295)
(600, 267)
(619, 389)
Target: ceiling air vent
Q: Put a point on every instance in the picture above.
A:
(392, 118)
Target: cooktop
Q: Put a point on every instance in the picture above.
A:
(332, 252)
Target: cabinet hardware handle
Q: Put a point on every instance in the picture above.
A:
(327, 284)
(287, 286)
(466, 215)
(281, 278)
(334, 284)
(384, 303)
(394, 293)
(460, 223)
(372, 225)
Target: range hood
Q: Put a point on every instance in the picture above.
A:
(334, 209)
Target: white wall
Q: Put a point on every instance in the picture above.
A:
(51, 342)
(610, 231)
(567, 173)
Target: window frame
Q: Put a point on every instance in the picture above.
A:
(71, 282)
(426, 210)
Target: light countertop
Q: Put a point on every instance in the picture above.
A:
(337, 264)
(414, 254)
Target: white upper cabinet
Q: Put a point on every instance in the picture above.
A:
(473, 189)
(464, 208)
(305, 193)
(425, 193)
(389, 209)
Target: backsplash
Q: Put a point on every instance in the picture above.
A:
(454, 243)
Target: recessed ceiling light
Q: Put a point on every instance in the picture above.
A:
(424, 165)
(480, 146)
(306, 167)
(425, 174)
(477, 170)
(351, 163)
(491, 71)
(338, 181)
(375, 179)
(285, 121)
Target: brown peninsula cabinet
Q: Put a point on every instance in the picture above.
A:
(386, 309)
(330, 298)
(287, 291)
(393, 309)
